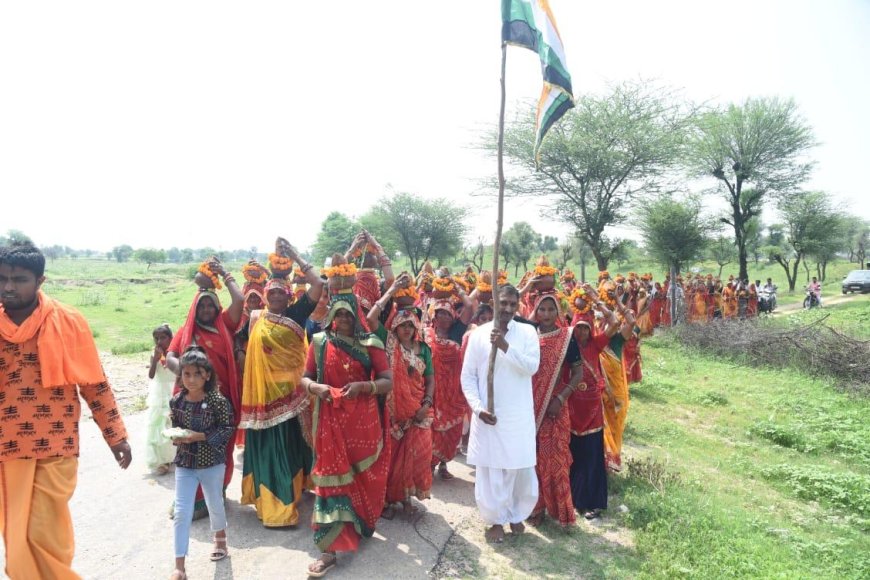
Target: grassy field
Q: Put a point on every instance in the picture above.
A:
(731, 471)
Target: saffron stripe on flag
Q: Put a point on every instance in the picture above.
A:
(552, 105)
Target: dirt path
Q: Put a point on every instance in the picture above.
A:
(123, 530)
(827, 301)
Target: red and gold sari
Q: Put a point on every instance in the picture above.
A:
(410, 471)
(450, 403)
(351, 442)
(553, 435)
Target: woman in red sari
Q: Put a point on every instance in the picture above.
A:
(588, 473)
(559, 373)
(348, 375)
(445, 340)
(213, 329)
(409, 403)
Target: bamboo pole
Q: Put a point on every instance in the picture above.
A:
(490, 390)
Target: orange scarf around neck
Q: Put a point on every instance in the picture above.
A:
(67, 353)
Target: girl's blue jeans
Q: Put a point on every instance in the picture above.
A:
(186, 481)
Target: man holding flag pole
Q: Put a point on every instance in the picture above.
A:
(504, 492)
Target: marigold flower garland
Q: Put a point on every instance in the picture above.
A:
(443, 284)
(343, 270)
(410, 292)
(579, 293)
(255, 274)
(545, 271)
(280, 263)
(205, 269)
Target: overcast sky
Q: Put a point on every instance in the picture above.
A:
(225, 124)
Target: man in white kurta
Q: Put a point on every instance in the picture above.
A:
(502, 444)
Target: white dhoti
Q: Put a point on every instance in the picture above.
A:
(505, 496)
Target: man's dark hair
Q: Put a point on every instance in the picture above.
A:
(23, 254)
(510, 290)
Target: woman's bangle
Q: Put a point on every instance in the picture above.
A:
(229, 278)
(305, 268)
(374, 387)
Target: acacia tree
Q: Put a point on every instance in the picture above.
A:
(809, 222)
(603, 154)
(473, 253)
(673, 230)
(760, 142)
(721, 251)
(566, 251)
(420, 228)
(524, 243)
(335, 236)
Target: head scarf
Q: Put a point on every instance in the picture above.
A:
(445, 304)
(220, 328)
(367, 288)
(278, 284)
(539, 300)
(407, 315)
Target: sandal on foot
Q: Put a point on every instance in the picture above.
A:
(219, 552)
(322, 565)
(443, 473)
(592, 514)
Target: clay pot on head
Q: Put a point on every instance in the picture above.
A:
(545, 283)
(341, 283)
(203, 281)
(404, 301)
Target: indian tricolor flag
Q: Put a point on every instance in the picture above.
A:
(530, 23)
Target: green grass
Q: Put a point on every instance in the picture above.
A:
(773, 471)
(852, 317)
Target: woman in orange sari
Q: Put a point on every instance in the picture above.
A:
(409, 403)
(558, 375)
(348, 376)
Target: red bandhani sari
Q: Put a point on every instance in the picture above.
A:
(631, 359)
(218, 344)
(351, 443)
(585, 407)
(410, 471)
(450, 403)
(554, 435)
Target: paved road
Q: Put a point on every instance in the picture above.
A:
(123, 530)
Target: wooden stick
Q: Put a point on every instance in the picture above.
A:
(490, 390)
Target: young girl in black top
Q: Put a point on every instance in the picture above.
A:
(208, 418)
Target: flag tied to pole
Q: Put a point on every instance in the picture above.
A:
(530, 23)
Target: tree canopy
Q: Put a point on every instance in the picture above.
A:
(422, 229)
(673, 230)
(335, 236)
(603, 154)
(761, 142)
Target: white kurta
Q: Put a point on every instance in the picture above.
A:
(510, 443)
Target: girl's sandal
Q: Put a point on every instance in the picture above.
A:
(321, 566)
(219, 552)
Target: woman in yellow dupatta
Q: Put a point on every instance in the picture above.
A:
(277, 461)
(615, 397)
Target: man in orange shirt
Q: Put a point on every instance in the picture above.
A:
(47, 359)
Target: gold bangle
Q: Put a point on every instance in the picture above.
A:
(374, 387)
